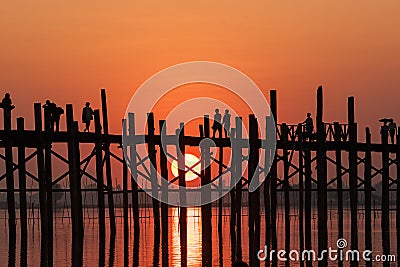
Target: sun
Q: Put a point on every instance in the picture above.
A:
(190, 160)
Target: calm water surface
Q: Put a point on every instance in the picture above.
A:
(144, 249)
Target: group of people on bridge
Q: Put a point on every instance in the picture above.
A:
(52, 113)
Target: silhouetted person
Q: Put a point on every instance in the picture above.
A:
(392, 130)
(226, 122)
(52, 115)
(240, 264)
(87, 116)
(385, 126)
(56, 117)
(309, 126)
(217, 123)
(6, 103)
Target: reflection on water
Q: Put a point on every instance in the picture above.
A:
(144, 247)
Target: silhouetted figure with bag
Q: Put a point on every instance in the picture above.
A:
(217, 123)
(226, 122)
(87, 116)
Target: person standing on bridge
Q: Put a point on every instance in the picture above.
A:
(87, 116)
(392, 130)
(217, 123)
(309, 126)
(6, 103)
(226, 122)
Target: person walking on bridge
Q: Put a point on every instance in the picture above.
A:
(87, 116)
(309, 126)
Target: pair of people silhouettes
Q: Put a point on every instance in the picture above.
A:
(226, 123)
(52, 115)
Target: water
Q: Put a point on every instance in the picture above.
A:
(142, 251)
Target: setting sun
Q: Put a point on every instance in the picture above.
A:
(190, 160)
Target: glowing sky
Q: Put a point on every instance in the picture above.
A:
(68, 50)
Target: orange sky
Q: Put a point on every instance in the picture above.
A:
(67, 51)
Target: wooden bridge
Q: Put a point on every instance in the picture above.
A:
(335, 144)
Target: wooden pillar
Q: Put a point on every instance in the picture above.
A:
(206, 209)
(9, 172)
(239, 185)
(274, 179)
(125, 200)
(22, 193)
(232, 194)
(385, 216)
(254, 197)
(100, 177)
(367, 194)
(220, 185)
(338, 154)
(322, 181)
(42, 184)
(308, 202)
(301, 190)
(398, 190)
(284, 139)
(74, 175)
(267, 187)
(49, 192)
(151, 149)
(133, 169)
(182, 193)
(337, 136)
(108, 163)
(164, 193)
(353, 174)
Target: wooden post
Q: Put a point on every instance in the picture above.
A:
(151, 149)
(238, 195)
(339, 182)
(274, 179)
(74, 175)
(164, 194)
(308, 202)
(182, 193)
(254, 199)
(367, 194)
(49, 191)
(133, 169)
(42, 184)
(9, 173)
(206, 209)
(232, 194)
(353, 174)
(22, 194)
(301, 189)
(284, 139)
(338, 154)
(322, 181)
(267, 186)
(220, 159)
(125, 200)
(398, 190)
(108, 163)
(100, 177)
(385, 216)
